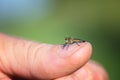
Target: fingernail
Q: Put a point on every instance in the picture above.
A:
(70, 49)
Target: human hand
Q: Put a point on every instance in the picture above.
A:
(22, 59)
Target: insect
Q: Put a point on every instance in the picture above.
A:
(70, 40)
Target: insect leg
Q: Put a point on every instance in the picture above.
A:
(78, 43)
(65, 45)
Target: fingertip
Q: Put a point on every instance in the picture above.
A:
(90, 71)
(81, 54)
(64, 61)
(72, 49)
(99, 70)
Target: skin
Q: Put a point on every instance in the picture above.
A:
(27, 60)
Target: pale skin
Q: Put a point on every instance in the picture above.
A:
(24, 59)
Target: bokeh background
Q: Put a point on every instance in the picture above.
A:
(50, 21)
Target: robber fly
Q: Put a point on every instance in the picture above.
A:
(70, 40)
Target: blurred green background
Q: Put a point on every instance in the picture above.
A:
(50, 21)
